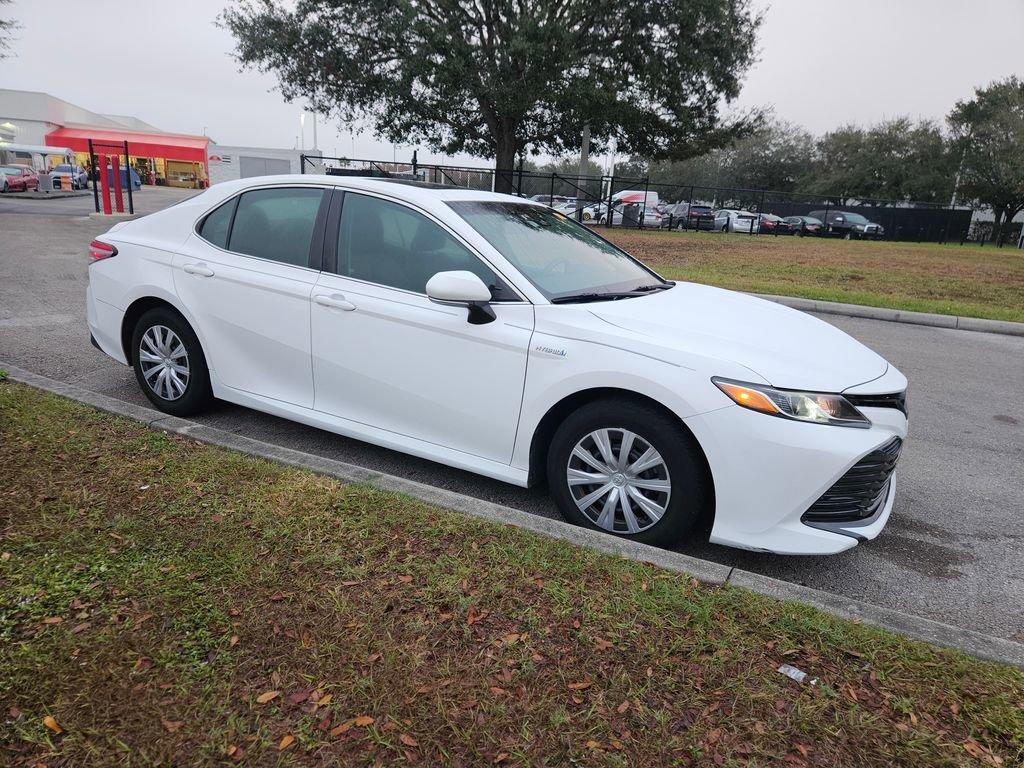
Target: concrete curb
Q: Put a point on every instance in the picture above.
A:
(898, 315)
(983, 646)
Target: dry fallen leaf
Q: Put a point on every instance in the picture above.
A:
(50, 722)
(263, 698)
(363, 720)
(172, 725)
(286, 742)
(233, 641)
(579, 686)
(53, 620)
(408, 740)
(405, 579)
(323, 701)
(974, 748)
(343, 728)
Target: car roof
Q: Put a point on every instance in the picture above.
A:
(408, 189)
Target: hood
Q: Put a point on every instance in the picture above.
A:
(786, 347)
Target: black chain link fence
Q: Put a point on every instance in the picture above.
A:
(622, 201)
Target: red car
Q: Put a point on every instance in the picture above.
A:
(18, 178)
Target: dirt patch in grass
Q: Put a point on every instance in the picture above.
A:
(924, 277)
(164, 602)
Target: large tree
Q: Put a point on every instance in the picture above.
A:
(988, 139)
(894, 160)
(500, 79)
(7, 26)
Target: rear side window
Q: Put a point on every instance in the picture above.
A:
(214, 228)
(276, 224)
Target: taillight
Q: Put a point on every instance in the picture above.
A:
(98, 250)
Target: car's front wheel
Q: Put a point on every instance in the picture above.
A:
(169, 363)
(622, 467)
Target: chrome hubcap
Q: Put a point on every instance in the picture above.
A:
(164, 362)
(618, 480)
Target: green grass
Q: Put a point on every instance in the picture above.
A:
(153, 589)
(965, 280)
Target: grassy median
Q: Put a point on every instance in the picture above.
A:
(165, 602)
(924, 277)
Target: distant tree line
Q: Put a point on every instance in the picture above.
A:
(978, 156)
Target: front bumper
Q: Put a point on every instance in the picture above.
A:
(769, 471)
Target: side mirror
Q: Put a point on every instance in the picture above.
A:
(462, 288)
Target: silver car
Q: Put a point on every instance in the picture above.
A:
(735, 220)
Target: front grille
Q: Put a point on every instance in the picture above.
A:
(859, 493)
(897, 400)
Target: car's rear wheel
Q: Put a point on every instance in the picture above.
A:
(169, 363)
(621, 467)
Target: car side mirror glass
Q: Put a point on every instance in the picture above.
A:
(463, 288)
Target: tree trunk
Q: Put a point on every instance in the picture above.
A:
(504, 165)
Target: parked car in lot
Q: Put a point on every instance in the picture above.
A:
(551, 200)
(805, 225)
(18, 178)
(851, 226)
(76, 174)
(770, 224)
(629, 214)
(588, 211)
(688, 216)
(733, 220)
(495, 335)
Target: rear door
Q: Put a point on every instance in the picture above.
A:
(246, 275)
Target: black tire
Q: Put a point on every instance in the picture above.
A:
(197, 394)
(690, 498)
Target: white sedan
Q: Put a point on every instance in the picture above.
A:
(492, 334)
(733, 220)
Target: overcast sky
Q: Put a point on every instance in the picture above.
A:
(823, 63)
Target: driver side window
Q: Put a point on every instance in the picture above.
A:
(392, 245)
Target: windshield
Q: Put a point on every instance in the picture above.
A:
(12, 171)
(559, 256)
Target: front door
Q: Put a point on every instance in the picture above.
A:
(246, 277)
(386, 356)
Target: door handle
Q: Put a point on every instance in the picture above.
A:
(198, 269)
(334, 301)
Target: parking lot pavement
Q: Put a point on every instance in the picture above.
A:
(951, 552)
(146, 200)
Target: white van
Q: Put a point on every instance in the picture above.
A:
(649, 199)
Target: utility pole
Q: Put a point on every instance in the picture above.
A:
(315, 144)
(584, 150)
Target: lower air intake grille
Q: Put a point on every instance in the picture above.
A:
(859, 493)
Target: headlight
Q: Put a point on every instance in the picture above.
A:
(817, 408)
(859, 227)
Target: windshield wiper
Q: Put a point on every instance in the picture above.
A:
(575, 298)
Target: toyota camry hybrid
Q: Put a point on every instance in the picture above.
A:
(493, 334)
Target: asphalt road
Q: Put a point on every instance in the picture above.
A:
(953, 550)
